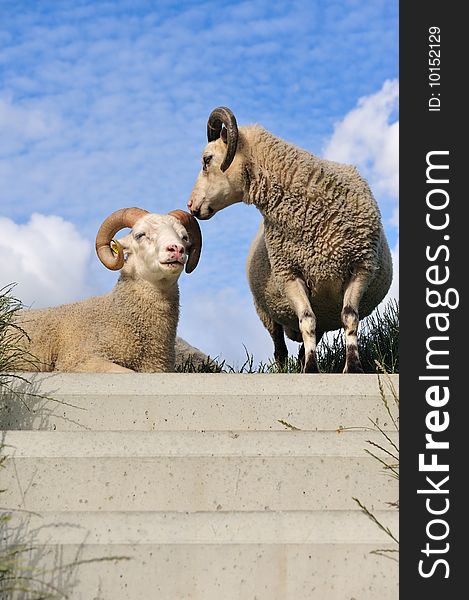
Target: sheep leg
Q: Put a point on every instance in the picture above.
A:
(301, 355)
(280, 348)
(276, 333)
(297, 294)
(350, 319)
(278, 338)
(301, 351)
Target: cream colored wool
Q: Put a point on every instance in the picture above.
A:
(320, 220)
(138, 332)
(133, 328)
(320, 259)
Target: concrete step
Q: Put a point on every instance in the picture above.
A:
(150, 527)
(193, 471)
(202, 487)
(201, 402)
(195, 483)
(220, 571)
(151, 444)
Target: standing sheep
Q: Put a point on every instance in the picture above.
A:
(133, 328)
(321, 257)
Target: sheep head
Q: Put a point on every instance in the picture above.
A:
(219, 183)
(156, 249)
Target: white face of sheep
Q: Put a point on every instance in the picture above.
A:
(215, 189)
(156, 249)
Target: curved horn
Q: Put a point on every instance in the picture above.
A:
(125, 217)
(218, 117)
(195, 237)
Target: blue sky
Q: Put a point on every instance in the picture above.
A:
(104, 105)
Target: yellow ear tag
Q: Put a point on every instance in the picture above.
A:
(114, 247)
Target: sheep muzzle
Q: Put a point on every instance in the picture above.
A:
(195, 237)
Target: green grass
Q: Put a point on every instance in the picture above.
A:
(378, 345)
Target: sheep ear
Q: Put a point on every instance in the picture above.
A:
(224, 135)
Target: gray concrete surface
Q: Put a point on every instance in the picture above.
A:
(212, 402)
(223, 572)
(194, 480)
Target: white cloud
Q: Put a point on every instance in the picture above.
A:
(366, 138)
(47, 258)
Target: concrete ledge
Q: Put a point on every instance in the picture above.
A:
(287, 527)
(195, 483)
(144, 444)
(227, 572)
(216, 384)
(196, 480)
(213, 402)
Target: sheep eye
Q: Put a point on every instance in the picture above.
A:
(207, 160)
(137, 236)
(185, 238)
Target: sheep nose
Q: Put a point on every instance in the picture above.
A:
(191, 205)
(176, 249)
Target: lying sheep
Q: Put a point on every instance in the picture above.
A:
(189, 355)
(133, 328)
(321, 258)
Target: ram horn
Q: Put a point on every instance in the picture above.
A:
(218, 117)
(195, 237)
(113, 257)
